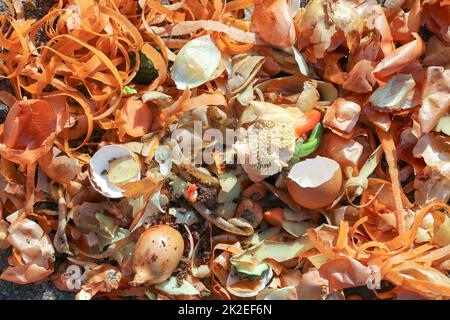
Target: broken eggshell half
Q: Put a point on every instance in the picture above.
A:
(100, 166)
(315, 183)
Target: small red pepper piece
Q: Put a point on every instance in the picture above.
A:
(191, 192)
(307, 123)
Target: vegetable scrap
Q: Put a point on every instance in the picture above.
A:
(245, 149)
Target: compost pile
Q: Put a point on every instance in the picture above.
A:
(118, 177)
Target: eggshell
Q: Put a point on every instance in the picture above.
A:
(100, 163)
(314, 183)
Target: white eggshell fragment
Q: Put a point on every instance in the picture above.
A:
(195, 63)
(100, 164)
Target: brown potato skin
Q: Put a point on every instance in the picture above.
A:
(156, 255)
(318, 197)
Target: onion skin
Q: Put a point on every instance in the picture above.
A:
(156, 255)
(61, 169)
(272, 21)
(346, 152)
(134, 119)
(317, 197)
(79, 129)
(274, 216)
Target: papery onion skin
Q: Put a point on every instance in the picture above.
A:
(273, 22)
(30, 129)
(347, 152)
(342, 116)
(61, 169)
(134, 119)
(435, 103)
(156, 255)
(399, 58)
(79, 128)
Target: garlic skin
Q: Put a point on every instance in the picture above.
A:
(195, 63)
(156, 255)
